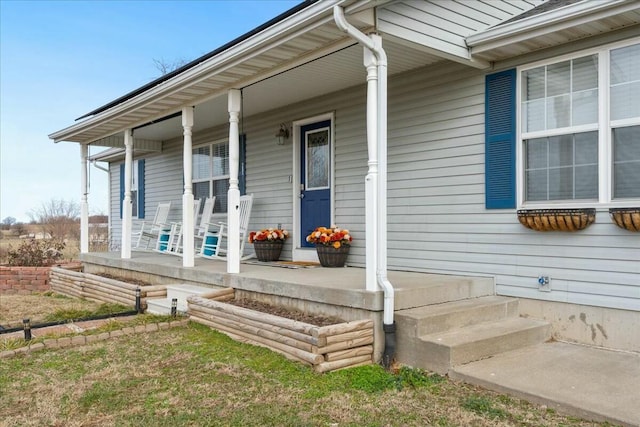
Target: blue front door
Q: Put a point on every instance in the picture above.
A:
(315, 172)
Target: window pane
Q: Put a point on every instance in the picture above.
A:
(220, 188)
(537, 153)
(626, 164)
(625, 101)
(558, 112)
(220, 160)
(558, 78)
(586, 148)
(585, 107)
(318, 159)
(625, 64)
(587, 182)
(585, 73)
(560, 95)
(533, 87)
(533, 115)
(561, 184)
(134, 203)
(562, 167)
(201, 190)
(561, 150)
(625, 82)
(200, 160)
(536, 182)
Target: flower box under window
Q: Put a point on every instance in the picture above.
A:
(557, 219)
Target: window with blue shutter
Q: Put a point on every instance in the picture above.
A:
(139, 193)
(500, 140)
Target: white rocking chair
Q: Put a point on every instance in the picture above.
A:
(170, 238)
(215, 243)
(149, 231)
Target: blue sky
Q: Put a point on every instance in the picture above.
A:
(62, 59)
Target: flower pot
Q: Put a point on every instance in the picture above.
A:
(627, 218)
(557, 219)
(332, 257)
(268, 250)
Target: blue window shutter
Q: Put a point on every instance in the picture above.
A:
(500, 140)
(121, 187)
(242, 178)
(141, 188)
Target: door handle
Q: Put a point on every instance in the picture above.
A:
(301, 195)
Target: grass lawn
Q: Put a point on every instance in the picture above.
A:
(46, 307)
(194, 376)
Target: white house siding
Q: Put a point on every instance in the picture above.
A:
(269, 166)
(437, 217)
(443, 25)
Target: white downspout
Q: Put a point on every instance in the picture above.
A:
(374, 45)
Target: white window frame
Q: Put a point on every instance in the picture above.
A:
(211, 178)
(604, 128)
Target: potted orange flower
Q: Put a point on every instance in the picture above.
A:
(268, 243)
(332, 245)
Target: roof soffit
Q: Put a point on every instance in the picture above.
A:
(555, 27)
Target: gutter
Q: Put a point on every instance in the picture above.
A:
(376, 181)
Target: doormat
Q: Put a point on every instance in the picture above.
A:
(285, 264)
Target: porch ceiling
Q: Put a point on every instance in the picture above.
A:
(331, 73)
(302, 56)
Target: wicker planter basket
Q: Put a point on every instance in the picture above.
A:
(332, 257)
(627, 218)
(557, 219)
(268, 250)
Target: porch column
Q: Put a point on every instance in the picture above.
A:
(84, 205)
(233, 195)
(371, 180)
(187, 197)
(126, 203)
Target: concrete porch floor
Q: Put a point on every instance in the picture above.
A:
(334, 286)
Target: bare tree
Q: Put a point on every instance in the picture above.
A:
(165, 66)
(8, 222)
(58, 217)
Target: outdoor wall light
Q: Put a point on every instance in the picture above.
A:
(282, 135)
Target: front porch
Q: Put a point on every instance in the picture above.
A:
(336, 292)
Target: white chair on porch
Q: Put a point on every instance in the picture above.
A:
(199, 229)
(170, 239)
(149, 231)
(205, 220)
(215, 242)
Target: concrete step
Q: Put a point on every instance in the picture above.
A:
(435, 318)
(417, 290)
(162, 307)
(179, 291)
(439, 352)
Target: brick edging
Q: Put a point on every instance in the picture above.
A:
(79, 340)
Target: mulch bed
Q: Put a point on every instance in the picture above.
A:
(286, 312)
(123, 279)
